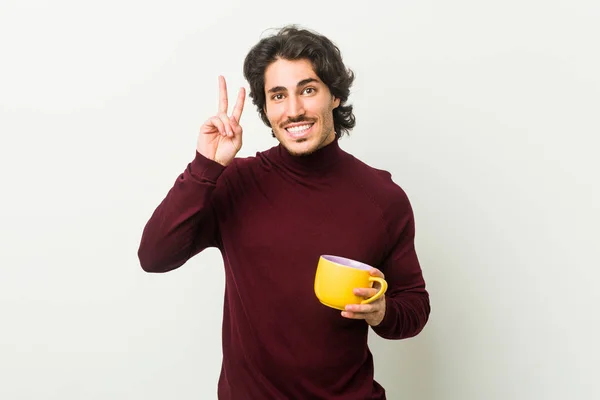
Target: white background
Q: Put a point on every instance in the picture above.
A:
(486, 113)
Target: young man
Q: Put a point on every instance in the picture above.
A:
(274, 214)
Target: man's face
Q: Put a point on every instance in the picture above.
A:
(299, 106)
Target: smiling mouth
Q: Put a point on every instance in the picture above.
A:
(299, 130)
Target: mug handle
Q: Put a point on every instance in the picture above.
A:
(381, 292)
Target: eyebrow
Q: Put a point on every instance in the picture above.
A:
(283, 89)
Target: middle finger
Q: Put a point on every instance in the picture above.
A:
(361, 308)
(223, 104)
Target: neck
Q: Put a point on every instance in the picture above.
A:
(315, 163)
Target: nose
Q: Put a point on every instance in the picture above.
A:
(295, 107)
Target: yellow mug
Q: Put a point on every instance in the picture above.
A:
(337, 277)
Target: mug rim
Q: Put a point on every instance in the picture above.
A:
(358, 265)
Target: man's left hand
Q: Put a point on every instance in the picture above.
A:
(372, 313)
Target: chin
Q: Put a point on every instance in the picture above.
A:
(303, 147)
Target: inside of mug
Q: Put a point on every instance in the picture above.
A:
(347, 262)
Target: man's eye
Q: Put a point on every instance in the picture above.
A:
(277, 97)
(309, 90)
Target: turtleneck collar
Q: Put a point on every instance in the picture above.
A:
(312, 164)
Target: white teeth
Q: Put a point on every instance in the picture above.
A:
(298, 129)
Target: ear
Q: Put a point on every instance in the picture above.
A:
(336, 102)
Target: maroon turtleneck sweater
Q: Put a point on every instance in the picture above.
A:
(272, 216)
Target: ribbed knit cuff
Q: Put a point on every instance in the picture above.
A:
(205, 169)
(388, 324)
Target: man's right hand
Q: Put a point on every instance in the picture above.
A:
(220, 137)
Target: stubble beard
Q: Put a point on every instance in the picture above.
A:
(322, 140)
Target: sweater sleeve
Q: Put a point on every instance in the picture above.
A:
(184, 223)
(407, 300)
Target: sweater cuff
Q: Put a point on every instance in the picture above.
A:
(205, 169)
(388, 324)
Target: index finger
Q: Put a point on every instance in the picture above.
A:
(365, 292)
(222, 95)
(239, 105)
(376, 272)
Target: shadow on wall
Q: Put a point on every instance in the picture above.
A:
(407, 369)
(422, 367)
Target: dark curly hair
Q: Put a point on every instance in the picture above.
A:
(293, 43)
